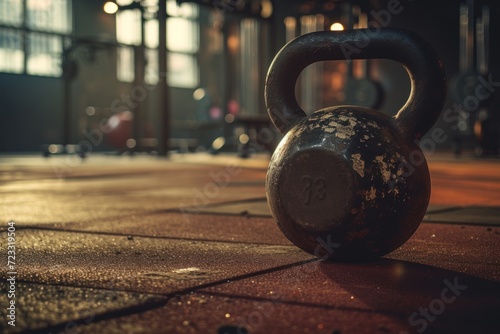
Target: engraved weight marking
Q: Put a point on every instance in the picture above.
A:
(307, 189)
(314, 189)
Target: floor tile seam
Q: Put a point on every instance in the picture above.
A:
(104, 233)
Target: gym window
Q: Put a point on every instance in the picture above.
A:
(32, 35)
(182, 43)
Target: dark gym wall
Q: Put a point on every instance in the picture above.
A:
(31, 108)
(30, 112)
(90, 21)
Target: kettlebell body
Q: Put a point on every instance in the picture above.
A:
(350, 183)
(339, 177)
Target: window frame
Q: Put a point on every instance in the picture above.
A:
(193, 18)
(26, 33)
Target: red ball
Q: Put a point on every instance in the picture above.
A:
(120, 129)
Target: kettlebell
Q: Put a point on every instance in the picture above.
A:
(350, 183)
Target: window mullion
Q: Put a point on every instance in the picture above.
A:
(25, 37)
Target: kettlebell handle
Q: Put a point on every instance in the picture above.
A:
(427, 76)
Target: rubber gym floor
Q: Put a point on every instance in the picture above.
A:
(187, 245)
